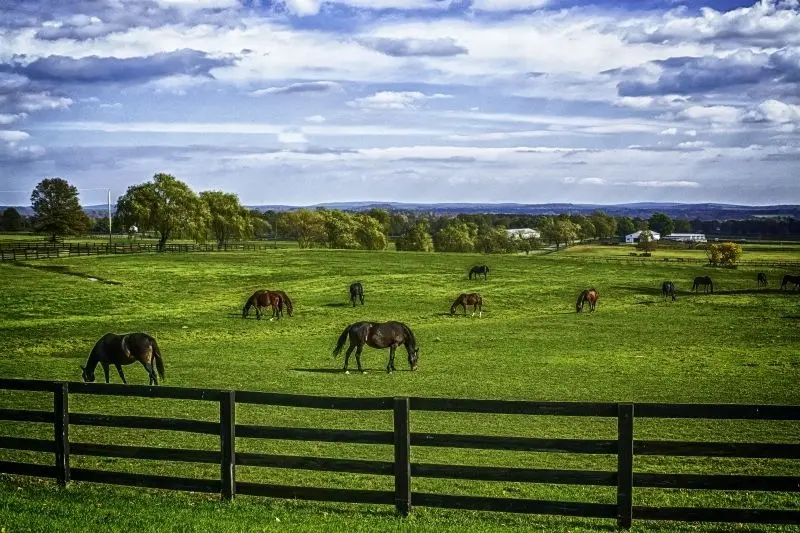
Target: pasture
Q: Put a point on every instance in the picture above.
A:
(739, 345)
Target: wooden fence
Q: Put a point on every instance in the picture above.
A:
(20, 251)
(403, 497)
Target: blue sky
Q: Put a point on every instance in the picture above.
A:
(306, 101)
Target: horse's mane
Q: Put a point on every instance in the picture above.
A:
(410, 335)
(580, 297)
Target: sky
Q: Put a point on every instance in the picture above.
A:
(306, 101)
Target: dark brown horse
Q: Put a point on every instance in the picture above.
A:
(356, 293)
(261, 299)
(286, 302)
(118, 350)
(789, 279)
(761, 279)
(468, 298)
(378, 335)
(588, 295)
(478, 270)
(668, 289)
(703, 281)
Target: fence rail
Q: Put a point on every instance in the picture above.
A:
(24, 251)
(403, 440)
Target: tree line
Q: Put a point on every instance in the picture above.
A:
(169, 208)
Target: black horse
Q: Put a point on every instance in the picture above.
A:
(761, 279)
(668, 289)
(378, 335)
(703, 281)
(356, 292)
(478, 270)
(118, 350)
(788, 278)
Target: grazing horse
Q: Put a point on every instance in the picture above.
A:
(704, 281)
(588, 295)
(468, 298)
(788, 278)
(761, 279)
(378, 335)
(263, 298)
(478, 270)
(118, 350)
(668, 289)
(356, 292)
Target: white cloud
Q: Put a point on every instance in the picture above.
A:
(7, 118)
(715, 114)
(592, 181)
(315, 119)
(13, 136)
(385, 100)
(669, 131)
(309, 87)
(662, 184)
(115, 105)
(773, 111)
(507, 5)
(648, 102)
(292, 137)
(570, 179)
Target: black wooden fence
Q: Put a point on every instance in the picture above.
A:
(625, 447)
(22, 251)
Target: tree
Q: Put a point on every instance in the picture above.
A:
(625, 226)
(306, 227)
(682, 225)
(646, 241)
(605, 226)
(340, 229)
(260, 223)
(730, 253)
(455, 237)
(416, 239)
(57, 210)
(494, 241)
(586, 229)
(662, 223)
(371, 233)
(227, 219)
(165, 205)
(11, 220)
(383, 217)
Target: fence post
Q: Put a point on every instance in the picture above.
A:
(227, 435)
(61, 431)
(402, 457)
(624, 465)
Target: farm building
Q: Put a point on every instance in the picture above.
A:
(523, 233)
(633, 238)
(686, 237)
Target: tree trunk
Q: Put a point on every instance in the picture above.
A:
(162, 241)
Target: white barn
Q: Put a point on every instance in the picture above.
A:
(687, 237)
(523, 233)
(633, 238)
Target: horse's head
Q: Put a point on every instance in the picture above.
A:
(453, 309)
(88, 377)
(413, 358)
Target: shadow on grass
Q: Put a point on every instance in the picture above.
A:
(656, 291)
(353, 370)
(63, 269)
(338, 304)
(791, 317)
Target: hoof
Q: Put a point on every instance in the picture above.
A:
(347, 372)
(363, 372)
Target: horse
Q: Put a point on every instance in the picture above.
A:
(704, 281)
(378, 335)
(788, 278)
(668, 289)
(468, 298)
(263, 298)
(588, 295)
(478, 270)
(285, 302)
(356, 292)
(761, 279)
(118, 350)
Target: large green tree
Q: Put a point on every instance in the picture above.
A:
(661, 223)
(228, 220)
(57, 210)
(416, 239)
(494, 241)
(625, 226)
(371, 232)
(166, 205)
(305, 226)
(456, 237)
(12, 220)
(340, 229)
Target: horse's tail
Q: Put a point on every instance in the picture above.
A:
(341, 341)
(157, 357)
(580, 299)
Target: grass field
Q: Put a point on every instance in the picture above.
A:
(738, 345)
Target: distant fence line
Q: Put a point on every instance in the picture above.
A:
(403, 497)
(24, 251)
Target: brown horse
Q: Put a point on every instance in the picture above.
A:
(261, 299)
(287, 302)
(378, 335)
(761, 279)
(789, 279)
(118, 350)
(588, 295)
(703, 281)
(468, 298)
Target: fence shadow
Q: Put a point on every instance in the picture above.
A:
(338, 304)
(63, 269)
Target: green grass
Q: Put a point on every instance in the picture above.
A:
(739, 345)
(750, 252)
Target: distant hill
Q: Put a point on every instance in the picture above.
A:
(705, 211)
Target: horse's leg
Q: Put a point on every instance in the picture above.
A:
(358, 358)
(390, 365)
(347, 356)
(105, 370)
(121, 375)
